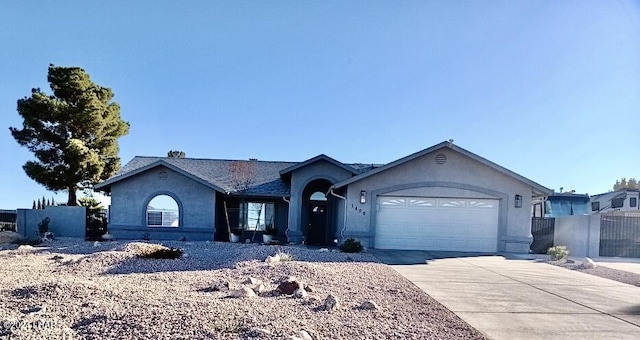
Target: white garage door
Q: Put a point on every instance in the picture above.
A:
(426, 223)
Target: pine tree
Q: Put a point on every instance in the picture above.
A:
(176, 154)
(53, 201)
(39, 204)
(34, 205)
(623, 183)
(73, 133)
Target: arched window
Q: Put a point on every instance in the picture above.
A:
(163, 211)
(318, 196)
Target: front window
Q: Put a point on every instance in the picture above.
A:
(163, 211)
(257, 216)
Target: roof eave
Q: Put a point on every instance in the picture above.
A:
(536, 188)
(152, 165)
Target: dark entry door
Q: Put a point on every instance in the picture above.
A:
(317, 225)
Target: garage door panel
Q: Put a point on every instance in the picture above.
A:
(456, 224)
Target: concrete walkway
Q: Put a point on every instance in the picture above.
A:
(521, 299)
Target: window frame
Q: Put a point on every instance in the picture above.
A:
(167, 219)
(617, 203)
(633, 202)
(267, 223)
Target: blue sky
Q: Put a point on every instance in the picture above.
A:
(548, 89)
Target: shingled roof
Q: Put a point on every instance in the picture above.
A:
(216, 174)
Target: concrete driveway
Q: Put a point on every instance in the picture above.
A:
(511, 298)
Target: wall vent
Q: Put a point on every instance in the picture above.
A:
(441, 158)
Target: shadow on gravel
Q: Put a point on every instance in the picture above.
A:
(227, 256)
(407, 257)
(79, 249)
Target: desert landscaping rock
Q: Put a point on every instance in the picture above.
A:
(331, 303)
(108, 292)
(220, 286)
(289, 286)
(253, 281)
(107, 237)
(243, 292)
(300, 293)
(601, 271)
(261, 288)
(302, 335)
(588, 263)
(369, 305)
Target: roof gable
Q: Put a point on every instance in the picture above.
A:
(318, 158)
(539, 188)
(215, 174)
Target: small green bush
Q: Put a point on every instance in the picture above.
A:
(558, 253)
(351, 245)
(162, 253)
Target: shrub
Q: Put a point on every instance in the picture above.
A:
(284, 256)
(43, 226)
(558, 253)
(96, 226)
(351, 245)
(156, 251)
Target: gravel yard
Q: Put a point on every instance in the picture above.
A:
(72, 289)
(601, 271)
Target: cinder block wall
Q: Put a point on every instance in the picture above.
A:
(64, 221)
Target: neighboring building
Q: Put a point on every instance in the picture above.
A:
(561, 204)
(620, 200)
(441, 198)
(8, 219)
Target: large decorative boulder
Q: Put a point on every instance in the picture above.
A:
(289, 286)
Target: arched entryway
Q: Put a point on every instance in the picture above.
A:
(317, 212)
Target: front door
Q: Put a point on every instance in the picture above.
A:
(317, 224)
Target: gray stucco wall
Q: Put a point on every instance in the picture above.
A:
(299, 180)
(580, 234)
(129, 199)
(63, 221)
(460, 176)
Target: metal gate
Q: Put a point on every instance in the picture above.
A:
(619, 236)
(542, 229)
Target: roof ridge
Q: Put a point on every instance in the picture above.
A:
(213, 159)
